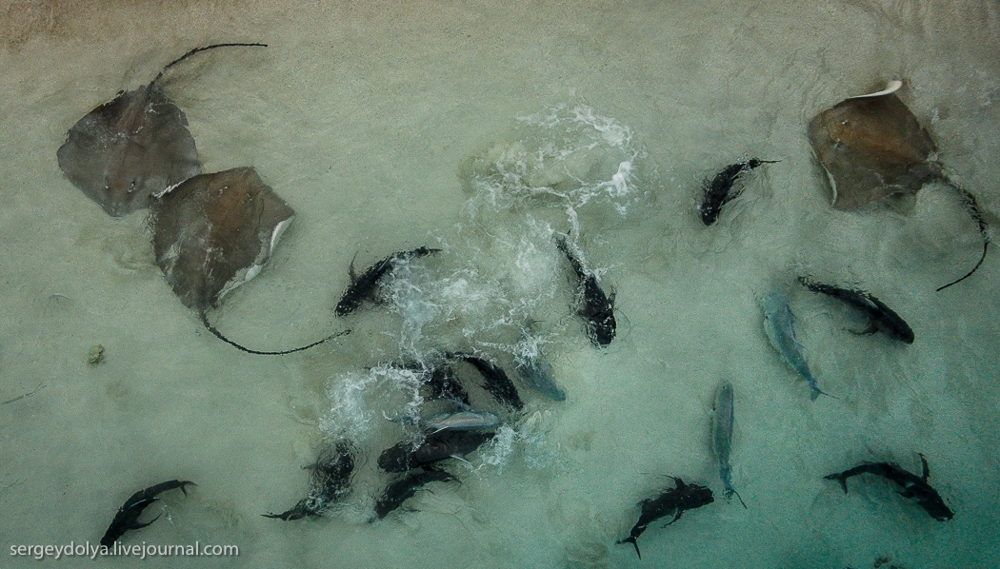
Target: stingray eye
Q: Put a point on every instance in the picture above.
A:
(131, 187)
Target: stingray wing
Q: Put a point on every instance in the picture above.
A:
(216, 231)
(872, 147)
(128, 149)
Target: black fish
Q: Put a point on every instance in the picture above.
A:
(438, 446)
(443, 384)
(673, 501)
(495, 380)
(596, 308)
(719, 191)
(440, 381)
(127, 517)
(331, 480)
(363, 287)
(882, 318)
(404, 488)
(913, 486)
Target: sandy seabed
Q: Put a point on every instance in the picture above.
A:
(481, 128)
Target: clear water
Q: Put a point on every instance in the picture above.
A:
(483, 129)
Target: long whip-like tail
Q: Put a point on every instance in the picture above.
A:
(977, 215)
(214, 331)
(201, 49)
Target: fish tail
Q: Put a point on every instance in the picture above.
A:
(635, 544)
(839, 477)
(816, 392)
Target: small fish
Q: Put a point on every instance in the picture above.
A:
(330, 481)
(719, 191)
(363, 287)
(466, 420)
(438, 446)
(913, 486)
(673, 501)
(127, 517)
(533, 369)
(495, 380)
(404, 488)
(779, 324)
(722, 436)
(881, 317)
(596, 308)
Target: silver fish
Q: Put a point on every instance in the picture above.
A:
(779, 324)
(467, 420)
(722, 436)
(531, 366)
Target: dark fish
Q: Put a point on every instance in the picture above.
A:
(672, 502)
(913, 486)
(495, 380)
(127, 517)
(438, 446)
(719, 191)
(882, 318)
(132, 147)
(443, 384)
(363, 287)
(440, 381)
(330, 481)
(404, 488)
(596, 308)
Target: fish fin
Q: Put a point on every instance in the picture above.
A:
(926, 469)
(138, 525)
(839, 477)
(816, 392)
(350, 270)
(184, 485)
(461, 458)
(870, 329)
(906, 493)
(634, 543)
(677, 516)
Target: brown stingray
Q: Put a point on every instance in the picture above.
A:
(133, 147)
(872, 147)
(214, 232)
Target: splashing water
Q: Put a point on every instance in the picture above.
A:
(571, 154)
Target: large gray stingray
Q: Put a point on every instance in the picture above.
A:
(872, 147)
(132, 147)
(214, 232)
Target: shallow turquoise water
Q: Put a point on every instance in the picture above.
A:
(482, 129)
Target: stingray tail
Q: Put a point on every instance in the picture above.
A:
(217, 334)
(206, 48)
(977, 216)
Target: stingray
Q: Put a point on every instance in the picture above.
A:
(213, 233)
(872, 147)
(135, 146)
